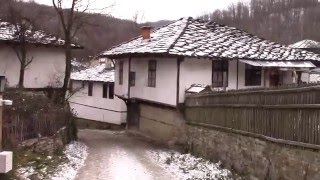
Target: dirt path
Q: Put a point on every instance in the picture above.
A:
(117, 156)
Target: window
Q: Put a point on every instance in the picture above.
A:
(111, 90)
(105, 90)
(219, 73)
(71, 85)
(90, 88)
(252, 75)
(121, 72)
(132, 77)
(152, 69)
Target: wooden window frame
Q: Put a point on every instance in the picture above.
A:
(120, 72)
(152, 73)
(253, 75)
(90, 88)
(132, 79)
(71, 86)
(105, 87)
(111, 90)
(219, 68)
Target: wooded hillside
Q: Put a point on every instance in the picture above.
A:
(99, 33)
(283, 21)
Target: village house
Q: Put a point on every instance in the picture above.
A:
(154, 70)
(44, 52)
(92, 95)
(312, 46)
(308, 45)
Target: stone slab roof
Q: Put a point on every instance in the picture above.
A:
(190, 37)
(306, 44)
(8, 33)
(98, 73)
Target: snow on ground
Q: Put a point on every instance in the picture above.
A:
(188, 167)
(76, 153)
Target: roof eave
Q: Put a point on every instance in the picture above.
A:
(40, 44)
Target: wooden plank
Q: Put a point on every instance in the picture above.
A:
(287, 106)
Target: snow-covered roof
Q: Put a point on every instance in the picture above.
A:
(306, 44)
(190, 37)
(314, 78)
(8, 33)
(97, 73)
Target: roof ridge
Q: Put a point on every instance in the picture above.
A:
(181, 33)
(137, 37)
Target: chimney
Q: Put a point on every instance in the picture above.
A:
(146, 31)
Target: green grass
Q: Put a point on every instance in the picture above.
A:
(41, 163)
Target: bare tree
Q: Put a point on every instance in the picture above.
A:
(21, 29)
(71, 22)
(73, 16)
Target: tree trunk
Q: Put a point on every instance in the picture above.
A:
(68, 54)
(23, 60)
(21, 77)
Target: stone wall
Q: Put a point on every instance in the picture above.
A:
(92, 124)
(163, 124)
(254, 158)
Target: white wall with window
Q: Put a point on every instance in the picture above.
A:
(155, 79)
(99, 103)
(121, 77)
(92, 96)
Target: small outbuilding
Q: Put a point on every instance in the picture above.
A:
(92, 95)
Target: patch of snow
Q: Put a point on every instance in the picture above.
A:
(76, 153)
(10, 32)
(187, 167)
(97, 73)
(25, 172)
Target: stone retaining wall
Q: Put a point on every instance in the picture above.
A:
(163, 124)
(254, 158)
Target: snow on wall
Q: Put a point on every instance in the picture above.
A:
(81, 98)
(46, 69)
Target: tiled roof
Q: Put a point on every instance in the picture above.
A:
(97, 73)
(196, 38)
(8, 33)
(306, 44)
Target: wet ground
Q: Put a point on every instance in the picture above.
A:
(118, 156)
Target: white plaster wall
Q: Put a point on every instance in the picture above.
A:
(166, 80)
(46, 69)
(121, 90)
(97, 100)
(194, 71)
(305, 77)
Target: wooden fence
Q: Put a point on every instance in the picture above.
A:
(17, 128)
(290, 116)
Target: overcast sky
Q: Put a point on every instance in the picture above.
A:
(154, 10)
